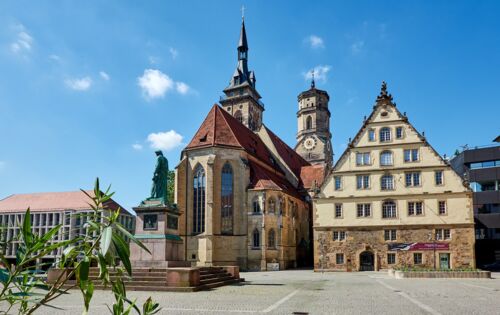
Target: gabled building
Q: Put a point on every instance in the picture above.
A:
(241, 190)
(392, 201)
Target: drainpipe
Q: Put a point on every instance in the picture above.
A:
(186, 209)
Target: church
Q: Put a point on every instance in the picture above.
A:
(243, 193)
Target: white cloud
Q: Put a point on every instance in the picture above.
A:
(104, 75)
(173, 52)
(154, 60)
(357, 46)
(137, 146)
(79, 84)
(23, 42)
(320, 73)
(154, 83)
(165, 140)
(315, 42)
(55, 57)
(182, 88)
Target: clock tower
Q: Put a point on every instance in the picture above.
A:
(313, 136)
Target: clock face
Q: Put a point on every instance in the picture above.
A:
(309, 143)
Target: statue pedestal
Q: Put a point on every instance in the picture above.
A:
(157, 228)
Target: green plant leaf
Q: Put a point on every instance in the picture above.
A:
(84, 269)
(106, 239)
(130, 236)
(123, 252)
(26, 231)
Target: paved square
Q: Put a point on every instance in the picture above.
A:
(285, 292)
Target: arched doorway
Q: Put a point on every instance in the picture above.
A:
(366, 261)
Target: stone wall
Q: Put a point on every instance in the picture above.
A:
(360, 239)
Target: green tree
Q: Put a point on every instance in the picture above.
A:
(171, 187)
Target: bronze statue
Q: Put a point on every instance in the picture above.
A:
(160, 178)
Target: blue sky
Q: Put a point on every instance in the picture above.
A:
(89, 89)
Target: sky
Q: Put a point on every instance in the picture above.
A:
(92, 89)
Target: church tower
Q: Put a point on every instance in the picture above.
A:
(241, 98)
(313, 136)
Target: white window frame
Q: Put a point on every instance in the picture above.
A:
(339, 236)
(365, 209)
(341, 256)
(390, 235)
(339, 207)
(413, 208)
(362, 181)
(339, 178)
(363, 158)
(436, 177)
(445, 207)
(413, 176)
(391, 158)
(390, 185)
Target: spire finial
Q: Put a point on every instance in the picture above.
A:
(242, 12)
(313, 84)
(384, 96)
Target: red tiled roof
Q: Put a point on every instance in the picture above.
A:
(261, 179)
(311, 174)
(220, 128)
(54, 201)
(294, 161)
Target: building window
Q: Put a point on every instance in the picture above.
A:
(199, 183)
(338, 182)
(339, 259)
(363, 158)
(271, 239)
(385, 134)
(227, 199)
(364, 210)
(391, 258)
(309, 122)
(150, 222)
(363, 181)
(272, 205)
(412, 179)
(389, 209)
(238, 116)
(438, 177)
(386, 158)
(338, 210)
(411, 155)
(399, 132)
(417, 258)
(371, 135)
(443, 234)
(390, 235)
(339, 235)
(256, 205)
(256, 238)
(442, 207)
(387, 182)
(415, 208)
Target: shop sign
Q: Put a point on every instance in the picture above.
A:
(418, 246)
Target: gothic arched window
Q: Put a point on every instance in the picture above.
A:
(199, 183)
(272, 205)
(255, 238)
(238, 116)
(271, 239)
(309, 122)
(227, 199)
(256, 205)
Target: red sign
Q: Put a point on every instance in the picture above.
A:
(418, 246)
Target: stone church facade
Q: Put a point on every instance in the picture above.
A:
(392, 201)
(243, 193)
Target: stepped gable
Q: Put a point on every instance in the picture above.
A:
(261, 178)
(221, 129)
(312, 175)
(294, 161)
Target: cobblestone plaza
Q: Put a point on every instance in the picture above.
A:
(286, 292)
